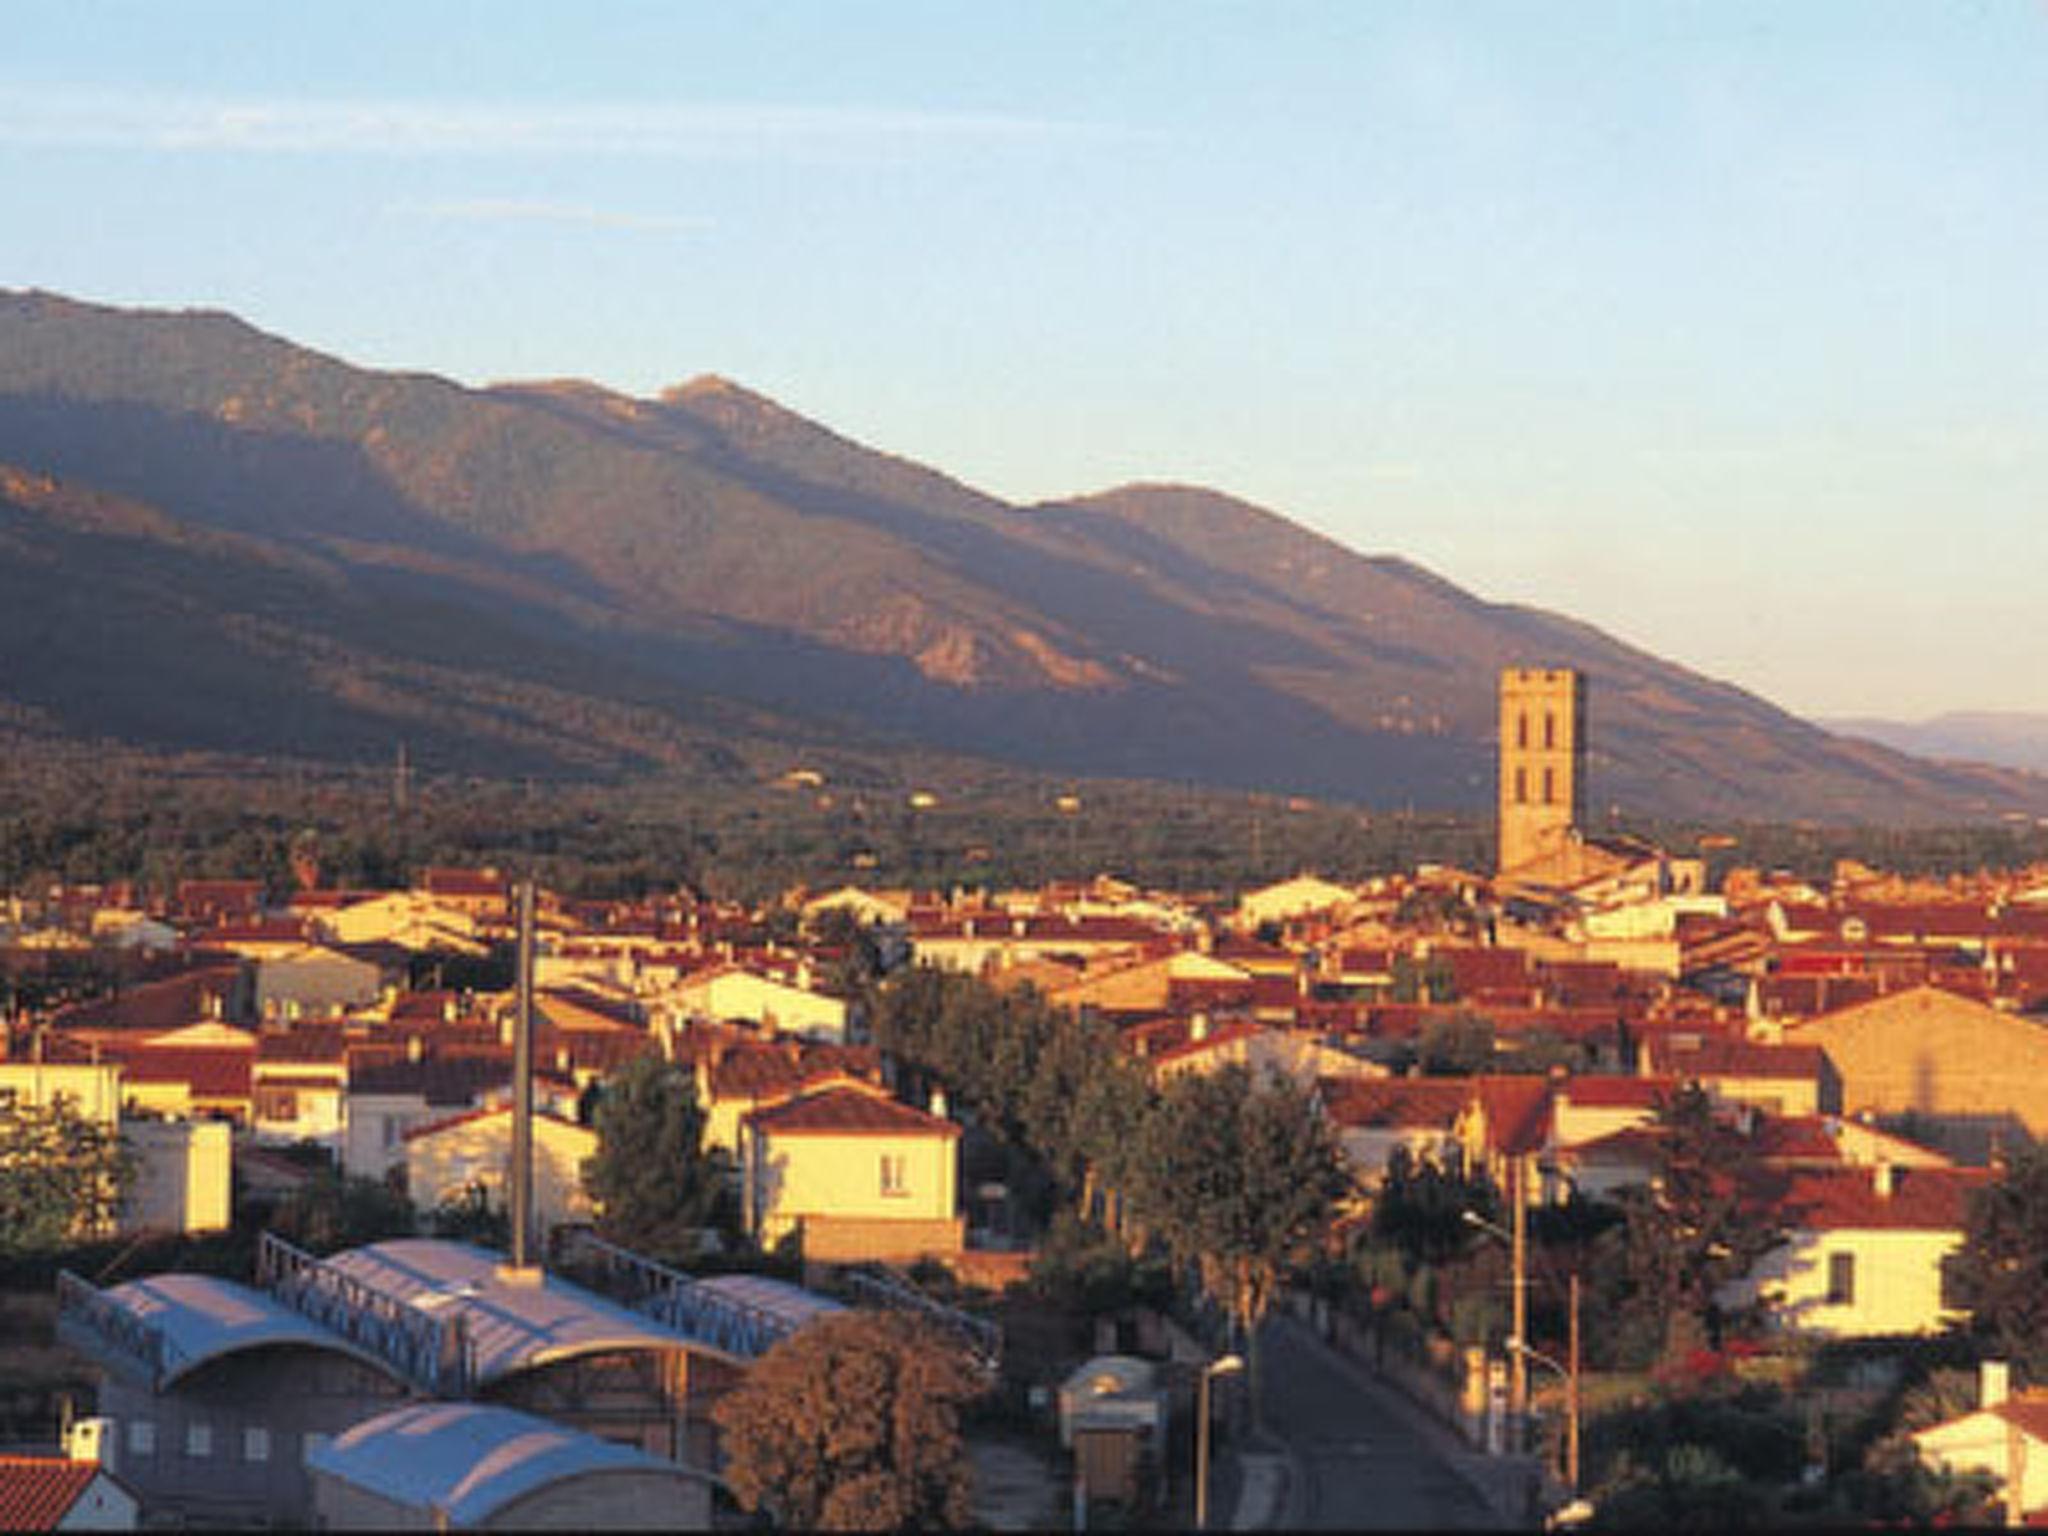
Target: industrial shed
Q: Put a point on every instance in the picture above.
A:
(471, 1466)
(214, 1390)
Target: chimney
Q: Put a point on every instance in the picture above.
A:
(415, 1048)
(1198, 1027)
(1884, 1178)
(937, 1104)
(1994, 1383)
(89, 1440)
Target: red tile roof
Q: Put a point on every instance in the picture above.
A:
(1517, 1112)
(2027, 1412)
(1411, 1103)
(219, 1072)
(36, 1492)
(848, 1111)
(1833, 1199)
(1743, 1058)
(1227, 1033)
(1608, 1091)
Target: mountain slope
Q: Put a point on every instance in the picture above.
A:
(341, 556)
(2003, 738)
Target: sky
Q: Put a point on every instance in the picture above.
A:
(1720, 326)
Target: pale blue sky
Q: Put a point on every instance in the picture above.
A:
(1741, 305)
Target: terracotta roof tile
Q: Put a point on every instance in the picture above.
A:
(848, 1111)
(1828, 1199)
(36, 1492)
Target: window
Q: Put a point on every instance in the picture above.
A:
(277, 1104)
(255, 1443)
(1549, 731)
(1521, 786)
(1550, 786)
(142, 1437)
(1841, 1279)
(198, 1441)
(1522, 731)
(394, 1129)
(894, 1178)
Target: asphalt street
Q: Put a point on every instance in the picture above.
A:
(1363, 1462)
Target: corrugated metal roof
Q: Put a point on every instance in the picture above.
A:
(203, 1317)
(467, 1461)
(513, 1324)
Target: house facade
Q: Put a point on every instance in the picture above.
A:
(853, 1175)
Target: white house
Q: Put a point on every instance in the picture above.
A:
(448, 1158)
(1865, 1248)
(733, 992)
(2006, 1437)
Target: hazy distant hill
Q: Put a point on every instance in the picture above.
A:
(211, 537)
(2005, 739)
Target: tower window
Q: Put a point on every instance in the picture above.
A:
(1521, 786)
(1550, 786)
(1549, 734)
(1522, 731)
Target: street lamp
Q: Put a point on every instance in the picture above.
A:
(1222, 1365)
(1518, 1346)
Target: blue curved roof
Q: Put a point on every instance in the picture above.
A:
(201, 1318)
(469, 1460)
(513, 1324)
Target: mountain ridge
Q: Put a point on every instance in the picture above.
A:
(710, 554)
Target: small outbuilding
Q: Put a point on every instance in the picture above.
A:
(1113, 1418)
(472, 1466)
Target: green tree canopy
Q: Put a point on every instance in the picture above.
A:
(331, 1212)
(853, 1424)
(1046, 1079)
(1693, 1231)
(2000, 1274)
(655, 1186)
(1239, 1176)
(62, 1176)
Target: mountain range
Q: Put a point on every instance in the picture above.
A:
(2006, 738)
(213, 539)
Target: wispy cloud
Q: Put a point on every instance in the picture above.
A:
(511, 210)
(91, 118)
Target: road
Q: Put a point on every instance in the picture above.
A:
(1365, 1461)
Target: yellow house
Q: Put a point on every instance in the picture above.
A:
(1935, 1053)
(92, 1088)
(447, 1159)
(855, 1176)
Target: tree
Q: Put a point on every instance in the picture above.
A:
(655, 1187)
(329, 1213)
(62, 1176)
(1694, 1231)
(853, 1424)
(1460, 1044)
(2000, 1273)
(1239, 1177)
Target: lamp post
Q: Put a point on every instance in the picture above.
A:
(1518, 1346)
(1222, 1365)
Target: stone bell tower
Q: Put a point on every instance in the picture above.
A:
(1542, 761)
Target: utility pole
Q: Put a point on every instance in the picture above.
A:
(1571, 1387)
(521, 1201)
(1518, 1340)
